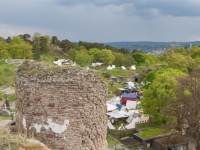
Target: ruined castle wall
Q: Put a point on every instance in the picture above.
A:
(65, 108)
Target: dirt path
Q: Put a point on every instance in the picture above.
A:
(4, 123)
(7, 90)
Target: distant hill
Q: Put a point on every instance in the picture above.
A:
(149, 46)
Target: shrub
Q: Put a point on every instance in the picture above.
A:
(11, 97)
(1, 96)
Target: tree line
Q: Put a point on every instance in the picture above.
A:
(83, 53)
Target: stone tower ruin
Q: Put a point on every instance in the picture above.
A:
(63, 107)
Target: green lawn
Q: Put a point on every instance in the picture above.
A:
(112, 141)
(4, 118)
(11, 97)
(155, 131)
(7, 73)
(112, 90)
(115, 72)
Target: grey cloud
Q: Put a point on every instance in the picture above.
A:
(103, 20)
(146, 8)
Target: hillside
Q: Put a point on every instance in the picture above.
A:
(149, 46)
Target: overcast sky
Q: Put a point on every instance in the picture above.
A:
(103, 20)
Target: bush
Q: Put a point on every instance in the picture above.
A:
(11, 97)
(1, 71)
(1, 83)
(1, 96)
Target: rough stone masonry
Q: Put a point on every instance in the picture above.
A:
(63, 107)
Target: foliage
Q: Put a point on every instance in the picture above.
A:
(66, 45)
(1, 95)
(119, 59)
(139, 58)
(152, 59)
(184, 112)
(107, 57)
(44, 45)
(36, 51)
(195, 52)
(55, 41)
(71, 54)
(161, 88)
(94, 54)
(3, 50)
(82, 58)
(26, 37)
(149, 78)
(19, 49)
(129, 61)
(88, 45)
(181, 62)
(11, 97)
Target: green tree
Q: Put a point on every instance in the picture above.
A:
(107, 57)
(9, 39)
(139, 58)
(19, 49)
(66, 45)
(135, 51)
(26, 37)
(44, 45)
(178, 61)
(161, 88)
(149, 77)
(152, 59)
(2, 39)
(71, 54)
(195, 52)
(82, 58)
(54, 40)
(3, 50)
(129, 61)
(36, 38)
(36, 51)
(181, 50)
(94, 54)
(184, 110)
(119, 59)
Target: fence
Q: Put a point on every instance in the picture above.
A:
(144, 124)
(121, 133)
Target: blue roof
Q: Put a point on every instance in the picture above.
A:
(132, 95)
(130, 87)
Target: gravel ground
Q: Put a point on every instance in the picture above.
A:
(3, 123)
(7, 90)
